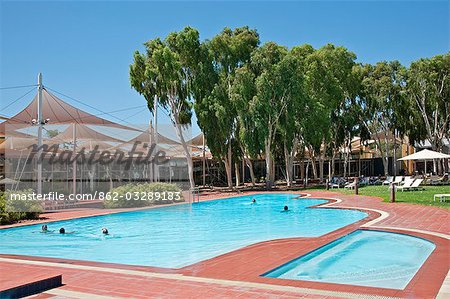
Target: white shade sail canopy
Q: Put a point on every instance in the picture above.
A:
(425, 155)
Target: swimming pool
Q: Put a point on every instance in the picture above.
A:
(176, 236)
(366, 258)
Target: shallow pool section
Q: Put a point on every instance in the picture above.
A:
(365, 258)
(176, 236)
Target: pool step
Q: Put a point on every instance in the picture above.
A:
(27, 286)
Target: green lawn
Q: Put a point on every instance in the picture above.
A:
(422, 197)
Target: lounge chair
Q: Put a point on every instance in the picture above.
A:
(407, 180)
(388, 180)
(363, 181)
(336, 182)
(398, 180)
(441, 197)
(440, 180)
(414, 186)
(406, 186)
(351, 185)
(375, 181)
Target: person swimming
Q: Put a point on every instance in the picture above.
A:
(44, 228)
(285, 209)
(62, 231)
(253, 200)
(105, 231)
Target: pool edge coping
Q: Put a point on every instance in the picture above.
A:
(331, 201)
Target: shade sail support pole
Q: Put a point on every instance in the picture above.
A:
(155, 121)
(40, 122)
(204, 161)
(74, 165)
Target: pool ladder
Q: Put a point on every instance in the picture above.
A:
(195, 193)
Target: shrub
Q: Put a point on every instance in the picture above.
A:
(12, 211)
(141, 195)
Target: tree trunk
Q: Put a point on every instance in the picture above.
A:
(237, 172)
(302, 170)
(345, 165)
(333, 165)
(321, 161)
(268, 158)
(386, 151)
(188, 156)
(249, 164)
(179, 131)
(227, 162)
(313, 163)
(288, 162)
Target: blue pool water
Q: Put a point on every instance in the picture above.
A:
(176, 236)
(366, 258)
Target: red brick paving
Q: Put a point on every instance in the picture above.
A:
(247, 264)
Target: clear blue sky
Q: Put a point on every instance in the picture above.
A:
(84, 48)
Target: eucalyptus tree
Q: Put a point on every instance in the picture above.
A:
(247, 133)
(428, 89)
(215, 110)
(382, 104)
(328, 85)
(273, 85)
(292, 124)
(165, 73)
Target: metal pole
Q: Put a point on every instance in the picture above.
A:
(40, 122)
(155, 121)
(74, 163)
(356, 185)
(395, 152)
(204, 162)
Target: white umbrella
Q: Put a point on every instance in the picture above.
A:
(425, 155)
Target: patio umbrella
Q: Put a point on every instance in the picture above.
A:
(425, 155)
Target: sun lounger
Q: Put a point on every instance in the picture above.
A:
(441, 197)
(351, 185)
(407, 180)
(388, 180)
(363, 181)
(398, 180)
(439, 180)
(336, 182)
(406, 186)
(414, 186)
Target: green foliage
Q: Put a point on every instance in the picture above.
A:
(267, 101)
(12, 211)
(428, 93)
(165, 73)
(215, 110)
(141, 195)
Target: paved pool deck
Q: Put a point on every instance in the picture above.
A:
(237, 274)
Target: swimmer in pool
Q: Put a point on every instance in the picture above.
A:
(44, 228)
(62, 231)
(285, 209)
(105, 231)
(253, 200)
